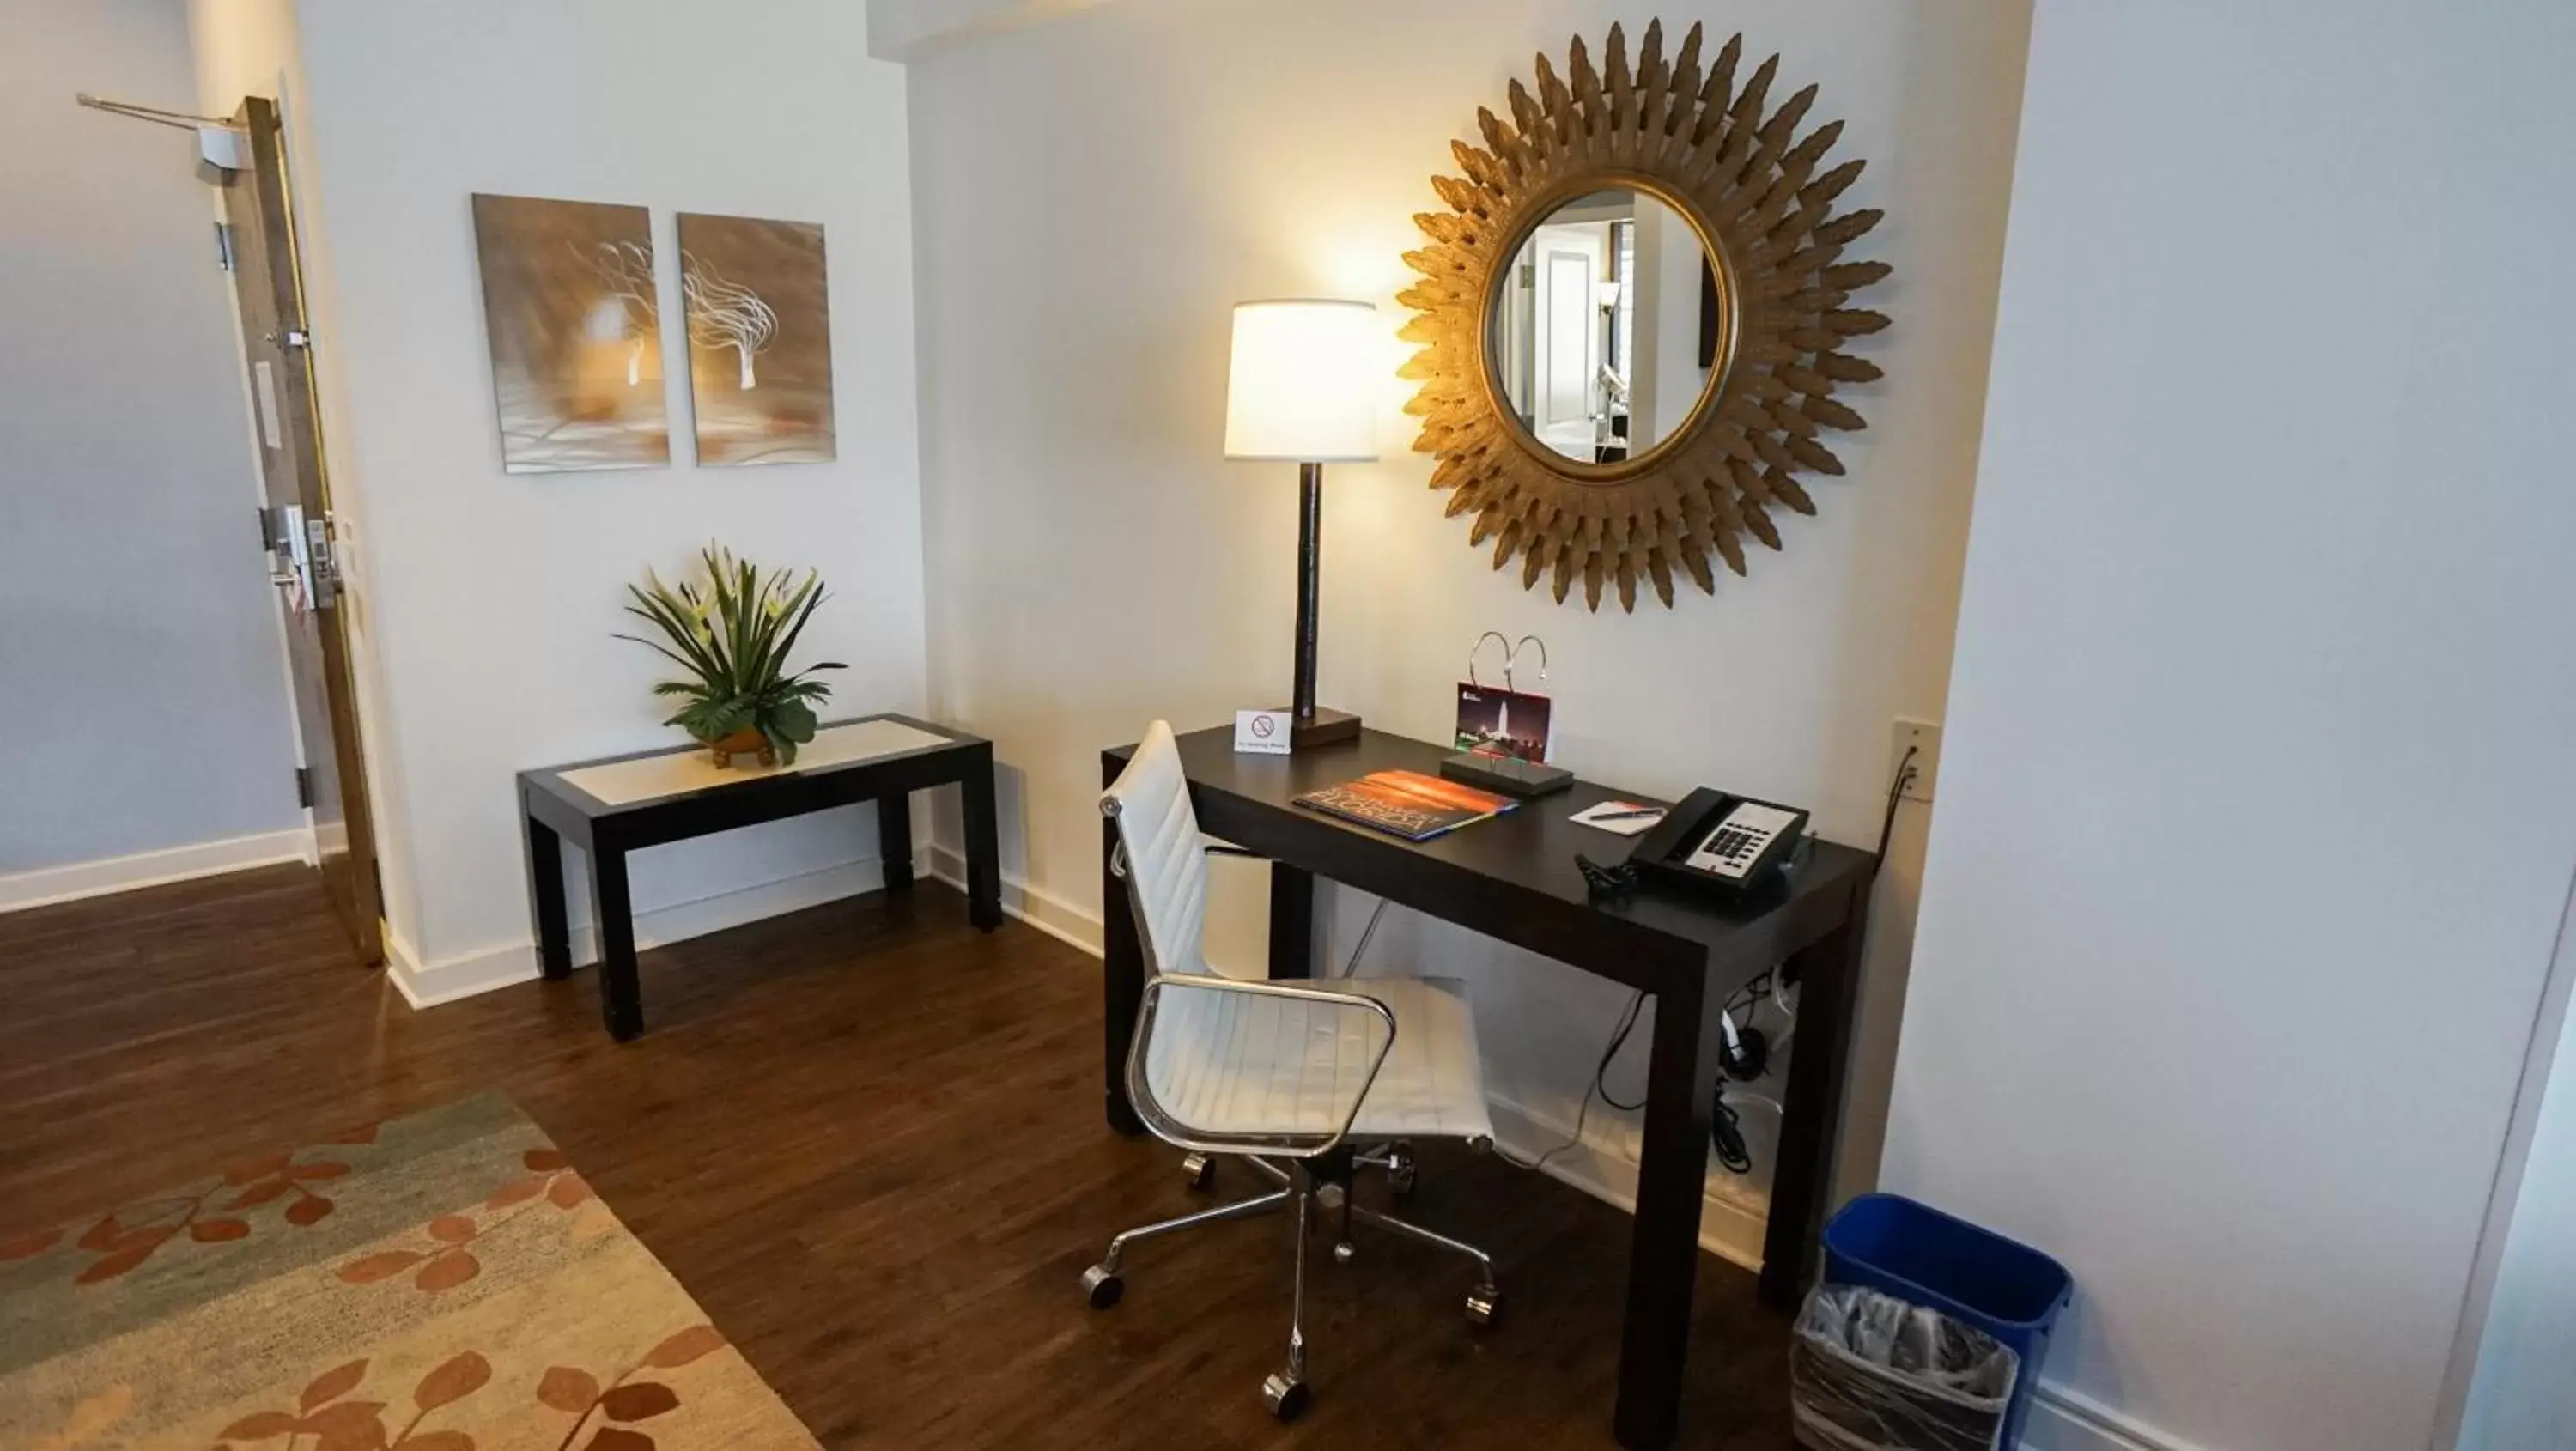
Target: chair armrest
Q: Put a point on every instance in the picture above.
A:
(1287, 1145)
(1118, 854)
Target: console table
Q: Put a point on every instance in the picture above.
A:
(619, 804)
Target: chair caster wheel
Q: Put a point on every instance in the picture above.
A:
(1199, 1170)
(1344, 1252)
(1286, 1396)
(1482, 1306)
(1103, 1285)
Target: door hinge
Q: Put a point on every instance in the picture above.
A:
(304, 785)
(224, 245)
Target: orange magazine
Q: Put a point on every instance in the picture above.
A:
(1408, 804)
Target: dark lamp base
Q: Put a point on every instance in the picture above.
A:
(1328, 728)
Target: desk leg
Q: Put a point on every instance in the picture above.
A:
(1122, 985)
(546, 898)
(894, 840)
(1292, 922)
(1663, 1244)
(1828, 976)
(621, 995)
(983, 847)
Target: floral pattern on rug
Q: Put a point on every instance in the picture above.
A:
(124, 1240)
(444, 1282)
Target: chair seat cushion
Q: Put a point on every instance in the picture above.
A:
(1235, 1063)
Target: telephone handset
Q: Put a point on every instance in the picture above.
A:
(1713, 839)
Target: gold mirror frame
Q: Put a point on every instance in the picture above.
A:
(1763, 214)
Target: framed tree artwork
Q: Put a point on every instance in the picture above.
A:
(575, 334)
(760, 339)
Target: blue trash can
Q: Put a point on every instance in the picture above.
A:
(2010, 1291)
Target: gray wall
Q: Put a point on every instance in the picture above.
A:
(139, 660)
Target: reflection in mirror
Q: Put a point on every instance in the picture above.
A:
(1604, 328)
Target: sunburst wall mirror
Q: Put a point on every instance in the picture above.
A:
(1634, 317)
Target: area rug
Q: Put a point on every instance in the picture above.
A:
(444, 1282)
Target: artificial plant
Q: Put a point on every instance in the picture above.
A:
(732, 632)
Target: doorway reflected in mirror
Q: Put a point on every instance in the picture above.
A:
(1603, 330)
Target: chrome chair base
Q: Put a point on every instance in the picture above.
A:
(1303, 1189)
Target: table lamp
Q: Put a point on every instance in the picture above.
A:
(1302, 389)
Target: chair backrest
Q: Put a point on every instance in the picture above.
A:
(1166, 866)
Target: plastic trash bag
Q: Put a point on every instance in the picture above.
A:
(1870, 1372)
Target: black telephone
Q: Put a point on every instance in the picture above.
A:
(1715, 840)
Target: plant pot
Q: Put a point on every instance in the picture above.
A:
(744, 742)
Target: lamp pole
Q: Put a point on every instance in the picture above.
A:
(1310, 534)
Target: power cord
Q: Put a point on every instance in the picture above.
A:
(1596, 1089)
(1748, 1051)
(1353, 964)
(1608, 883)
(1726, 1137)
(1895, 793)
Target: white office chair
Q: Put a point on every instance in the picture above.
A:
(1274, 1070)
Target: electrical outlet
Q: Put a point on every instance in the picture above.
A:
(1922, 737)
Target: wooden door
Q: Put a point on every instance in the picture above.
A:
(296, 524)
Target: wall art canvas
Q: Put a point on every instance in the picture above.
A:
(760, 339)
(576, 334)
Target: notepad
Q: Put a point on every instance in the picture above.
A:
(1622, 818)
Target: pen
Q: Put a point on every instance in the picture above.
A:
(1630, 815)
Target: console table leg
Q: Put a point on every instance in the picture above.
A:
(983, 845)
(546, 898)
(1663, 1243)
(894, 840)
(1292, 922)
(621, 995)
(1828, 977)
(1122, 985)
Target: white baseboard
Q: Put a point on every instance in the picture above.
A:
(428, 985)
(1048, 913)
(2069, 1420)
(20, 890)
(1727, 1229)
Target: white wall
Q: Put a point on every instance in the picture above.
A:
(2258, 805)
(492, 598)
(1092, 195)
(141, 653)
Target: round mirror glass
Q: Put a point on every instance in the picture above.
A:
(1603, 331)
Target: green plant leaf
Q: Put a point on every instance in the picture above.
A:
(782, 747)
(733, 632)
(793, 720)
(674, 658)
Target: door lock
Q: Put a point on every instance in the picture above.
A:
(290, 556)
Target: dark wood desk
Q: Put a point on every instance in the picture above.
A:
(1514, 879)
(556, 808)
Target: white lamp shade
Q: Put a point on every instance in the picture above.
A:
(1303, 384)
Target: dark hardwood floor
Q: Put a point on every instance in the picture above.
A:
(869, 1141)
